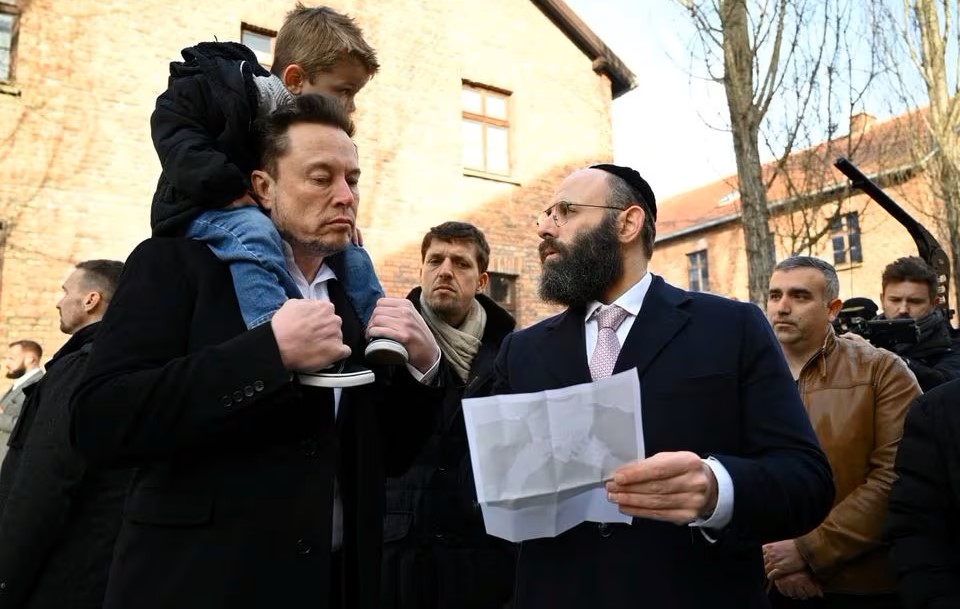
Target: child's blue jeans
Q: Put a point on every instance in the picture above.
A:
(247, 240)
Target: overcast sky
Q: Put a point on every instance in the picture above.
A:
(661, 128)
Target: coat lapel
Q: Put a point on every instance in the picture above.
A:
(567, 348)
(659, 321)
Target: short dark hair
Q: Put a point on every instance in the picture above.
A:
(622, 195)
(29, 345)
(911, 268)
(459, 231)
(809, 262)
(102, 275)
(310, 108)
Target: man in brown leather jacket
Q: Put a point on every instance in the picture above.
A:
(857, 397)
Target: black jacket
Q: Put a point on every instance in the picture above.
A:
(231, 507)
(713, 381)
(923, 520)
(935, 358)
(203, 131)
(58, 518)
(436, 551)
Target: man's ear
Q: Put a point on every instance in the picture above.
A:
(631, 223)
(293, 78)
(91, 300)
(263, 186)
(833, 308)
(482, 282)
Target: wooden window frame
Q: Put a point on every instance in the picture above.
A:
(485, 120)
(262, 31)
(13, 9)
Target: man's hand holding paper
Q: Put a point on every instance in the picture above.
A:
(677, 487)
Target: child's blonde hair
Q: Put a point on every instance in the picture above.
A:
(316, 38)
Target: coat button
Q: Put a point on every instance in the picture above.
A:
(310, 448)
(303, 548)
(258, 386)
(605, 530)
(248, 391)
(238, 396)
(226, 401)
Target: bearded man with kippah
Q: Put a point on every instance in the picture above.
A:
(731, 458)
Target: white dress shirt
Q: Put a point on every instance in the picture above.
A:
(317, 290)
(631, 301)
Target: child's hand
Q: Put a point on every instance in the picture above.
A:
(357, 238)
(245, 201)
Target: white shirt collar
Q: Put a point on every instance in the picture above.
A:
(631, 300)
(29, 374)
(324, 273)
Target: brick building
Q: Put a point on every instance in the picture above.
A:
(478, 110)
(812, 212)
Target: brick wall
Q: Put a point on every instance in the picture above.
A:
(77, 168)
(883, 240)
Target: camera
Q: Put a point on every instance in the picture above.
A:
(857, 315)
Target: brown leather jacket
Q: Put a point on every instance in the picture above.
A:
(857, 397)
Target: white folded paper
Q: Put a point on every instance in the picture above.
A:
(540, 460)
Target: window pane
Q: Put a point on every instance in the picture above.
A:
(501, 290)
(856, 254)
(471, 100)
(259, 43)
(853, 223)
(498, 150)
(836, 225)
(839, 255)
(6, 38)
(496, 106)
(472, 133)
(697, 271)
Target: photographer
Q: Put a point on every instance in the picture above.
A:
(910, 291)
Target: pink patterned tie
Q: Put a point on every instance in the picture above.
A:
(609, 318)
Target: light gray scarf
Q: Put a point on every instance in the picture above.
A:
(459, 345)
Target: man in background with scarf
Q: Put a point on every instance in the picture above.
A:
(910, 291)
(436, 550)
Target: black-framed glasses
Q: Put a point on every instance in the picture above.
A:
(560, 212)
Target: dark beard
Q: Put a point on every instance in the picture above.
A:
(584, 270)
(15, 374)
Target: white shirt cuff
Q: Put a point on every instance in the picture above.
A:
(425, 378)
(723, 513)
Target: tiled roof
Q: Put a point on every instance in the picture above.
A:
(897, 143)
